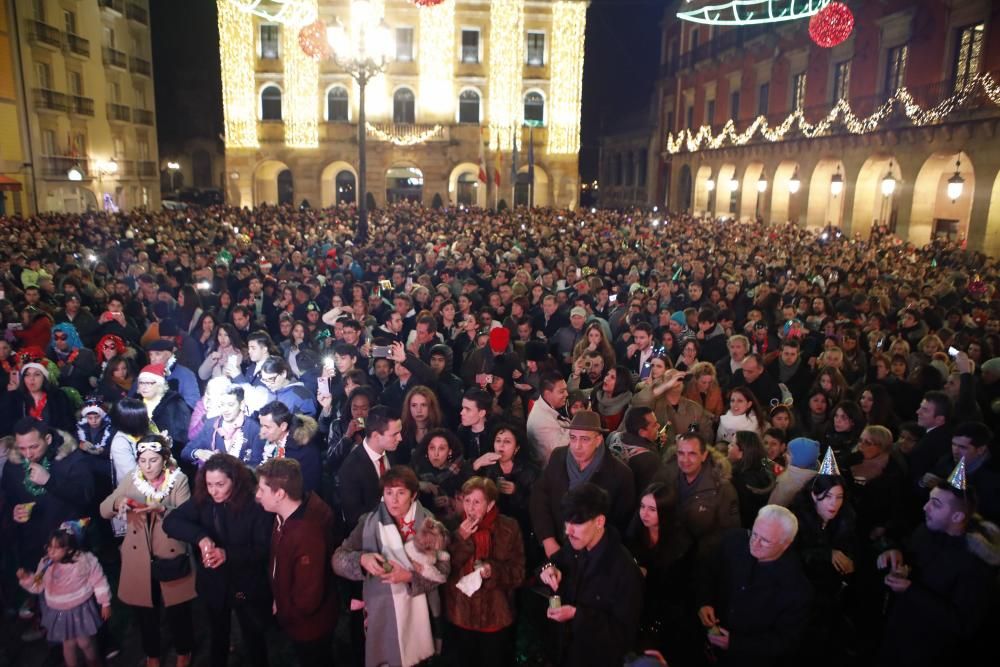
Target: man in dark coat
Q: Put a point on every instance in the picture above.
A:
(586, 459)
(55, 486)
(753, 377)
(302, 542)
(753, 597)
(943, 589)
(357, 479)
(599, 584)
(791, 369)
(638, 446)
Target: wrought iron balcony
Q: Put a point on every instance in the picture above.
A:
(142, 116)
(77, 45)
(136, 13)
(82, 106)
(43, 33)
(119, 113)
(115, 58)
(116, 6)
(140, 66)
(50, 100)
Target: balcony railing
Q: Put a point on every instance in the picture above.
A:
(405, 132)
(136, 13)
(43, 33)
(142, 116)
(57, 166)
(140, 66)
(117, 6)
(118, 112)
(731, 39)
(50, 100)
(77, 45)
(146, 169)
(82, 106)
(115, 58)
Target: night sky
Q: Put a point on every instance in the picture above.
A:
(621, 60)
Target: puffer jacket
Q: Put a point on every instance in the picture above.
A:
(712, 507)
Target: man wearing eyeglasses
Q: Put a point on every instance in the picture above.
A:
(753, 597)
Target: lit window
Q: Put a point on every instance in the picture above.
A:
(842, 81)
(536, 49)
(534, 107)
(403, 106)
(404, 45)
(269, 42)
(968, 58)
(470, 46)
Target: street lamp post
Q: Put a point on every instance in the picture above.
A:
(888, 188)
(173, 168)
(364, 53)
(761, 189)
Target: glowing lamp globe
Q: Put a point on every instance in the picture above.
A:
(831, 25)
(312, 41)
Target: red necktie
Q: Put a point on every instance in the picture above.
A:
(381, 466)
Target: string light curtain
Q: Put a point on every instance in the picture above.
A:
(841, 112)
(436, 57)
(506, 63)
(301, 106)
(236, 52)
(569, 21)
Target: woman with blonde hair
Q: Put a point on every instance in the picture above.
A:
(703, 388)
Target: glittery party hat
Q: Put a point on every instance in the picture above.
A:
(957, 477)
(829, 464)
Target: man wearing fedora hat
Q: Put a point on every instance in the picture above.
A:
(585, 459)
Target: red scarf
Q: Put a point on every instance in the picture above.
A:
(483, 539)
(39, 407)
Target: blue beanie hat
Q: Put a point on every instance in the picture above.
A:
(804, 453)
(680, 318)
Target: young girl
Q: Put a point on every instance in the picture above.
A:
(71, 579)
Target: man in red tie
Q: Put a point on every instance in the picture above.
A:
(359, 475)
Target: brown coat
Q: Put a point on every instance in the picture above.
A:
(492, 606)
(136, 585)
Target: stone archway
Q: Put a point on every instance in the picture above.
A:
(265, 180)
(331, 183)
(464, 186)
(826, 204)
(872, 206)
(934, 213)
(785, 204)
(752, 201)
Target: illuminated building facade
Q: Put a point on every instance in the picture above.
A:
(80, 123)
(895, 127)
(462, 72)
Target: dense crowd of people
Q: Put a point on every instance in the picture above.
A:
(619, 437)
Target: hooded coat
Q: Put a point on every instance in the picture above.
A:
(66, 496)
(711, 507)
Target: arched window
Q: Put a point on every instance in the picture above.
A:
(270, 103)
(468, 107)
(336, 105)
(403, 106)
(534, 107)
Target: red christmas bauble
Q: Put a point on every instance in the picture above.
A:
(312, 41)
(426, 3)
(831, 25)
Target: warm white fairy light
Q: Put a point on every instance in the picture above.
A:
(292, 13)
(506, 64)
(406, 137)
(436, 57)
(236, 56)
(569, 21)
(300, 109)
(841, 112)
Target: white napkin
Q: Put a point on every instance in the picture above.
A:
(471, 582)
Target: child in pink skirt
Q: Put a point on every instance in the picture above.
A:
(70, 579)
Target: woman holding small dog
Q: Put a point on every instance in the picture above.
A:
(400, 594)
(486, 549)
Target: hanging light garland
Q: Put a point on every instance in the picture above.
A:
(409, 138)
(704, 139)
(753, 12)
(832, 25)
(293, 13)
